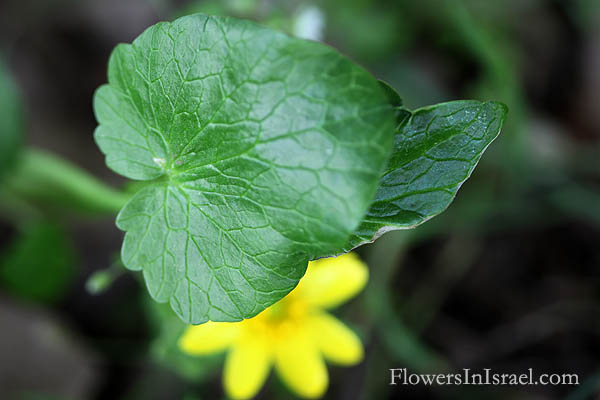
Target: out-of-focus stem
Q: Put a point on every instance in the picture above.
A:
(49, 182)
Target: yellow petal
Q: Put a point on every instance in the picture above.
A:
(330, 282)
(299, 363)
(247, 366)
(208, 338)
(338, 343)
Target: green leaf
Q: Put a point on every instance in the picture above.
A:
(436, 149)
(261, 152)
(11, 124)
(39, 265)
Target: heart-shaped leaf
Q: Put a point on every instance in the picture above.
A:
(261, 152)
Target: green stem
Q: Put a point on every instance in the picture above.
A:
(49, 182)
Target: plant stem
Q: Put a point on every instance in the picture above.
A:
(49, 182)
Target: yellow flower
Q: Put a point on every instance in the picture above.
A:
(295, 335)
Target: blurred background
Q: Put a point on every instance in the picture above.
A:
(507, 278)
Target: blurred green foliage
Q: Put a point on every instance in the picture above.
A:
(39, 265)
(11, 124)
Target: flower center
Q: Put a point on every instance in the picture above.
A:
(281, 318)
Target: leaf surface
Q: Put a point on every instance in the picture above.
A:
(436, 149)
(261, 152)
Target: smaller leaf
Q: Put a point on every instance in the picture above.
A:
(436, 149)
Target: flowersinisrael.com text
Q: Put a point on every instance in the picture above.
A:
(401, 376)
